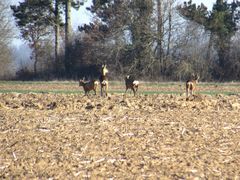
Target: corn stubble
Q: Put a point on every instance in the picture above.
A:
(120, 137)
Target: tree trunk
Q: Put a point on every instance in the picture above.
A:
(159, 35)
(67, 36)
(169, 26)
(57, 31)
(35, 61)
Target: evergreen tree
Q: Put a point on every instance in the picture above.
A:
(34, 19)
(142, 36)
(67, 6)
(127, 25)
(221, 22)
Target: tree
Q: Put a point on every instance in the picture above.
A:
(67, 5)
(141, 34)
(221, 22)
(106, 38)
(57, 31)
(34, 19)
(160, 29)
(164, 33)
(6, 36)
(68, 35)
(124, 27)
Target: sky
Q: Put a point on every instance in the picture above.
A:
(208, 3)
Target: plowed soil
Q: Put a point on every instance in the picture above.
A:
(149, 136)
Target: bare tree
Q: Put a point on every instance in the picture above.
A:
(6, 36)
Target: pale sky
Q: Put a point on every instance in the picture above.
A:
(208, 3)
(82, 16)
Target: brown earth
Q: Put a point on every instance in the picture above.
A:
(71, 136)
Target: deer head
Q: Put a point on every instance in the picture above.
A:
(81, 81)
(104, 70)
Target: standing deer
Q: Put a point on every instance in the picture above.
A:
(132, 84)
(191, 85)
(88, 85)
(104, 80)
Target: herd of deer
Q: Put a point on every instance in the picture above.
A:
(130, 83)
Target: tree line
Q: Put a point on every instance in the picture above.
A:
(150, 39)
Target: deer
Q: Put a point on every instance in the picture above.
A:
(104, 80)
(191, 85)
(132, 84)
(89, 85)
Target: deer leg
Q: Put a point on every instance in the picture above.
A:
(136, 88)
(126, 90)
(106, 89)
(95, 90)
(133, 91)
(101, 90)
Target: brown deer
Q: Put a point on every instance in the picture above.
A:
(88, 86)
(132, 84)
(104, 80)
(191, 85)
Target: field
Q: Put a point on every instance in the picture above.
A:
(50, 130)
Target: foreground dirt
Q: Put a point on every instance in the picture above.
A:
(61, 136)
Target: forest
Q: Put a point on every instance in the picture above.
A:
(154, 40)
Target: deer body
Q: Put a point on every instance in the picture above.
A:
(191, 85)
(104, 80)
(88, 86)
(131, 84)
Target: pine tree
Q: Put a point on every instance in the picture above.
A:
(118, 18)
(34, 19)
(221, 22)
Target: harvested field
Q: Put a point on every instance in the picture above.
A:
(150, 136)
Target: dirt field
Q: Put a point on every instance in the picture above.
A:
(150, 136)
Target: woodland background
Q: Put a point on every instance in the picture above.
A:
(158, 40)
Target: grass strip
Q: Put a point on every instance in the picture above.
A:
(113, 83)
(115, 91)
(41, 91)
